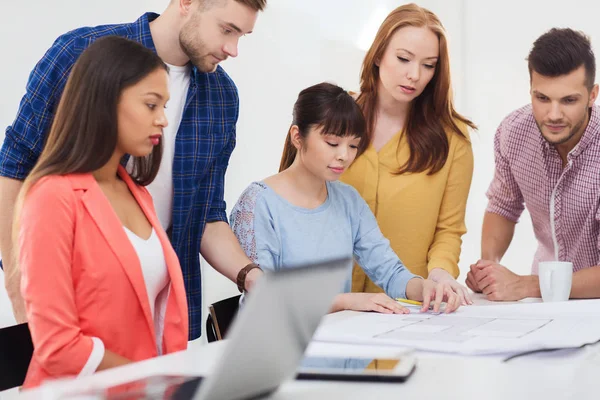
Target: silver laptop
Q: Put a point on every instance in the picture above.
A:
(268, 338)
(265, 343)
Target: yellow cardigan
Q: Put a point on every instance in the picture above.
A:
(423, 216)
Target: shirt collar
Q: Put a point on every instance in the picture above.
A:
(591, 131)
(140, 30)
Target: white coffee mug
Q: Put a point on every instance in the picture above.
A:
(555, 280)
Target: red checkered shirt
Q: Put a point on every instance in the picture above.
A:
(563, 201)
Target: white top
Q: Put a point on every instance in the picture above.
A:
(161, 188)
(157, 280)
(156, 277)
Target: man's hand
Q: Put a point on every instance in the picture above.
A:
(9, 191)
(18, 306)
(13, 286)
(496, 281)
(470, 281)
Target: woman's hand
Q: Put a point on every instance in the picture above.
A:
(438, 293)
(378, 302)
(432, 293)
(440, 275)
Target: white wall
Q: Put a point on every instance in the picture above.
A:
(297, 43)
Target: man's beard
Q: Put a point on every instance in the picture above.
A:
(195, 59)
(574, 131)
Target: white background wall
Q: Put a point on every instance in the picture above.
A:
(297, 43)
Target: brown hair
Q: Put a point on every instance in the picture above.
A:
(330, 108)
(84, 132)
(256, 5)
(562, 51)
(431, 113)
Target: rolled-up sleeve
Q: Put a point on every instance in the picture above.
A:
(505, 197)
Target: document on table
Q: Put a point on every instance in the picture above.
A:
(474, 330)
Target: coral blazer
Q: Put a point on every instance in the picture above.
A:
(82, 279)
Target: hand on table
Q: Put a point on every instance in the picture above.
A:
(496, 281)
(440, 275)
(378, 302)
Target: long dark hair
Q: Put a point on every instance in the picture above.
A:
(432, 113)
(330, 108)
(84, 132)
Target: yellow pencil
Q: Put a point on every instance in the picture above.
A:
(407, 301)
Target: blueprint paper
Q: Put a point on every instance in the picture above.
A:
(501, 329)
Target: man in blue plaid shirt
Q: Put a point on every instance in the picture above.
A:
(192, 37)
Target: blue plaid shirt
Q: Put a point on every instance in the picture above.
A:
(204, 142)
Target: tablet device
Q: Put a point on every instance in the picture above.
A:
(172, 387)
(357, 369)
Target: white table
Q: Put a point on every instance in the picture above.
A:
(559, 375)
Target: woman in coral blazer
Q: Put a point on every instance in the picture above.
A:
(102, 284)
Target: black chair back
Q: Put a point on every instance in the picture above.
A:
(16, 349)
(221, 315)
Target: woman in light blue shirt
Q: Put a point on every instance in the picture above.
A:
(305, 215)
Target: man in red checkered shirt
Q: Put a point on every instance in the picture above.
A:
(547, 158)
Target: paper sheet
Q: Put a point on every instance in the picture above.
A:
(474, 330)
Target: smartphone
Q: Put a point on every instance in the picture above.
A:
(357, 369)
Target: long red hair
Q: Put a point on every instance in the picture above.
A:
(432, 115)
